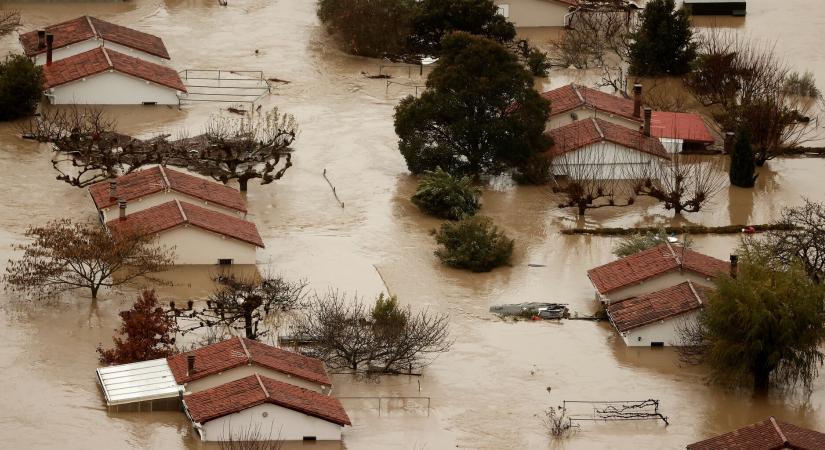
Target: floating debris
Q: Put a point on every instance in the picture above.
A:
(532, 310)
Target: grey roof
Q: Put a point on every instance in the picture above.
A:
(136, 382)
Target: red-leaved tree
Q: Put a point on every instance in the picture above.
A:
(147, 333)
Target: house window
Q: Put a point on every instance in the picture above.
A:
(657, 344)
(225, 262)
(150, 103)
(310, 438)
(504, 10)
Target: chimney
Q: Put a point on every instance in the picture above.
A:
(637, 100)
(734, 262)
(41, 39)
(729, 138)
(122, 205)
(49, 44)
(190, 364)
(113, 189)
(648, 115)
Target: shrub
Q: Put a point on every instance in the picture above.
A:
(442, 195)
(21, 85)
(375, 28)
(474, 243)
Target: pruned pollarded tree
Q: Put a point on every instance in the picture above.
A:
(243, 149)
(147, 332)
(65, 255)
(242, 303)
(591, 178)
(685, 183)
(747, 86)
(379, 338)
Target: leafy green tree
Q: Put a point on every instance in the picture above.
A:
(479, 113)
(474, 243)
(375, 28)
(742, 165)
(437, 18)
(21, 86)
(765, 326)
(663, 44)
(442, 195)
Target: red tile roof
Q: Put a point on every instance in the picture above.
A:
(156, 179)
(85, 28)
(572, 96)
(255, 390)
(590, 131)
(769, 434)
(236, 352)
(685, 126)
(102, 59)
(639, 311)
(174, 213)
(653, 262)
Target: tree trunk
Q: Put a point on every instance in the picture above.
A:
(247, 321)
(242, 184)
(94, 290)
(761, 380)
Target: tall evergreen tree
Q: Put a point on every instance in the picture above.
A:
(436, 18)
(742, 165)
(478, 115)
(663, 44)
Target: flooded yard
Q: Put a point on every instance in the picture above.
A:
(491, 388)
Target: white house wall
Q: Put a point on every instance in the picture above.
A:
(112, 88)
(665, 331)
(237, 373)
(658, 283)
(285, 424)
(90, 44)
(160, 198)
(604, 161)
(583, 112)
(194, 245)
(534, 13)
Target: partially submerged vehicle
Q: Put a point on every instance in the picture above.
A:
(528, 310)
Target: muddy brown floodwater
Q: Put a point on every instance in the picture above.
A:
(490, 390)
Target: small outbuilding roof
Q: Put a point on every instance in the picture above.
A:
(136, 382)
(85, 28)
(582, 133)
(254, 390)
(175, 213)
(101, 59)
(685, 126)
(636, 312)
(572, 96)
(653, 262)
(240, 351)
(769, 434)
(157, 179)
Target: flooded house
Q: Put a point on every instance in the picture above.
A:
(155, 185)
(236, 358)
(654, 269)
(277, 410)
(537, 13)
(767, 434)
(654, 319)
(677, 131)
(103, 76)
(199, 236)
(85, 33)
(594, 148)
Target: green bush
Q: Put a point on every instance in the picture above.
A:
(442, 195)
(474, 243)
(21, 86)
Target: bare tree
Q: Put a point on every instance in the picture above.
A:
(590, 178)
(748, 86)
(242, 303)
(251, 438)
(806, 239)
(558, 423)
(243, 148)
(685, 183)
(64, 255)
(9, 21)
(384, 338)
